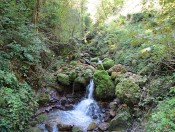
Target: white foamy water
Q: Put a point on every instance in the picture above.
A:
(84, 113)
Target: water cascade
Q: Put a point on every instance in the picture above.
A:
(84, 113)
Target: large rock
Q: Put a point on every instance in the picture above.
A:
(92, 126)
(43, 98)
(50, 126)
(117, 68)
(79, 84)
(107, 63)
(121, 121)
(66, 128)
(128, 91)
(88, 73)
(72, 75)
(140, 80)
(76, 129)
(63, 79)
(104, 85)
(94, 59)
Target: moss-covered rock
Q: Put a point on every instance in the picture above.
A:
(140, 80)
(94, 59)
(104, 85)
(91, 126)
(76, 129)
(121, 121)
(128, 91)
(114, 75)
(88, 73)
(107, 63)
(63, 79)
(79, 84)
(72, 75)
(43, 98)
(117, 68)
(80, 80)
(41, 118)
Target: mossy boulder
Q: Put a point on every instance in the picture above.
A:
(104, 85)
(94, 59)
(72, 75)
(128, 91)
(117, 68)
(76, 129)
(114, 75)
(43, 98)
(121, 121)
(63, 79)
(92, 126)
(79, 84)
(140, 80)
(88, 73)
(107, 63)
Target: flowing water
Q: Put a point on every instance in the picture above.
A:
(84, 113)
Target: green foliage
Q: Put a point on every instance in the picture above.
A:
(15, 13)
(128, 91)
(19, 49)
(104, 85)
(158, 89)
(17, 103)
(107, 8)
(163, 117)
(64, 19)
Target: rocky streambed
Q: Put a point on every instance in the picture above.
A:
(71, 106)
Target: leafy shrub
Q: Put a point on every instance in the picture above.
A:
(17, 107)
(163, 117)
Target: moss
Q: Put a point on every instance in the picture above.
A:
(88, 73)
(94, 59)
(128, 91)
(80, 80)
(114, 75)
(104, 84)
(76, 129)
(42, 118)
(72, 75)
(63, 79)
(121, 121)
(100, 67)
(74, 63)
(43, 98)
(117, 68)
(108, 63)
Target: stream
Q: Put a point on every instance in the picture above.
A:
(82, 115)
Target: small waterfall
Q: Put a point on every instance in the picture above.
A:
(84, 113)
(90, 88)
